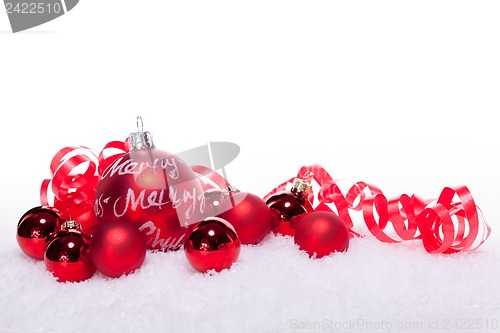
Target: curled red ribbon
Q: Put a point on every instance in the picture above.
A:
(450, 224)
(74, 177)
(73, 184)
(117, 149)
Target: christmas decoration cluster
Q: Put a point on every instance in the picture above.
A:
(103, 212)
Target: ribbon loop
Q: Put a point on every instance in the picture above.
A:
(445, 225)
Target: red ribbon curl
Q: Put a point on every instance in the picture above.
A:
(118, 148)
(73, 184)
(450, 224)
(74, 177)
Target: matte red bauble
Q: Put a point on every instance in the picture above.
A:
(321, 233)
(153, 189)
(34, 227)
(288, 207)
(212, 245)
(248, 214)
(67, 254)
(117, 248)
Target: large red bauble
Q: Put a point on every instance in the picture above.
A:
(67, 256)
(248, 214)
(212, 244)
(34, 227)
(117, 248)
(321, 233)
(156, 191)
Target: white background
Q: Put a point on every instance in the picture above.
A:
(401, 94)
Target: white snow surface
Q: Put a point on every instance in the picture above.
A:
(273, 287)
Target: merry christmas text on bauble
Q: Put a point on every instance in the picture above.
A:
(153, 189)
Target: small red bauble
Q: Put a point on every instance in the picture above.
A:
(67, 254)
(213, 199)
(288, 207)
(117, 248)
(248, 214)
(321, 233)
(34, 227)
(212, 244)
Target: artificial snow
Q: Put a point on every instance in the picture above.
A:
(273, 287)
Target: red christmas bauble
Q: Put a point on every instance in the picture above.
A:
(67, 256)
(156, 191)
(34, 227)
(212, 244)
(117, 248)
(322, 233)
(288, 207)
(213, 199)
(248, 214)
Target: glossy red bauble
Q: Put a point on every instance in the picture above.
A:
(117, 248)
(248, 214)
(288, 207)
(212, 245)
(67, 256)
(34, 227)
(287, 210)
(321, 233)
(154, 190)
